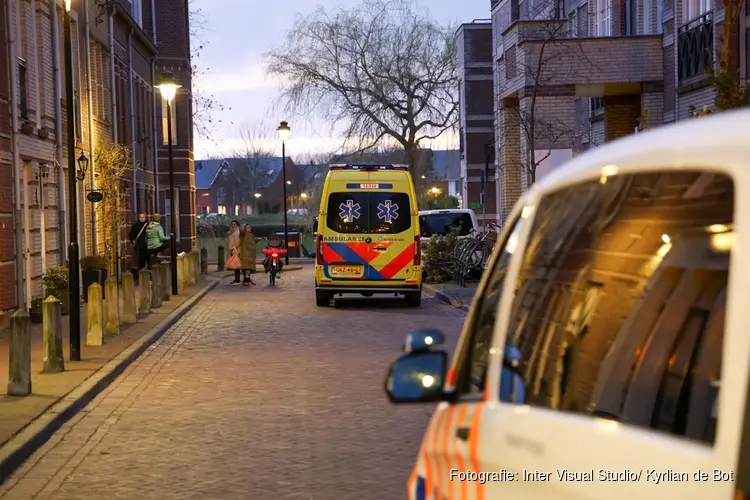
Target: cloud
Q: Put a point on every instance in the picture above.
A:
(251, 77)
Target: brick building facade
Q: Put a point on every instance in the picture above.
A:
(114, 66)
(173, 41)
(476, 126)
(579, 73)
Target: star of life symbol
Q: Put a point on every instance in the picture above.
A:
(388, 211)
(349, 211)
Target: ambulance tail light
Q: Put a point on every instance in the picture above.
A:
(319, 250)
(417, 250)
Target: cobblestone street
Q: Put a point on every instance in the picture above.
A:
(255, 394)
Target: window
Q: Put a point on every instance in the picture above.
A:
(596, 106)
(573, 23)
(137, 14)
(475, 355)
(603, 20)
(222, 210)
(693, 9)
(363, 213)
(164, 130)
(618, 310)
(23, 83)
(441, 224)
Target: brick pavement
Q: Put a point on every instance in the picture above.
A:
(236, 401)
(48, 388)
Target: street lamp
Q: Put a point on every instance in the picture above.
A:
(435, 192)
(303, 196)
(168, 88)
(284, 133)
(257, 195)
(74, 285)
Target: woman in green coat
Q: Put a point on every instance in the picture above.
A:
(248, 254)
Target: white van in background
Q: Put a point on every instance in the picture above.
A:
(440, 221)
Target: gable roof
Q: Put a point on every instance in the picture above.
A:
(205, 171)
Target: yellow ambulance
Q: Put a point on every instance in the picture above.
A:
(368, 239)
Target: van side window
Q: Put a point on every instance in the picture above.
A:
(619, 305)
(476, 355)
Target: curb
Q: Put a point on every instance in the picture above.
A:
(21, 446)
(440, 295)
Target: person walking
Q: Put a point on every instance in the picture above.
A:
(233, 251)
(157, 242)
(248, 254)
(138, 238)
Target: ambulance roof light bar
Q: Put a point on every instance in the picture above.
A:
(369, 166)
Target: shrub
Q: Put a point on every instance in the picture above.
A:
(438, 253)
(55, 280)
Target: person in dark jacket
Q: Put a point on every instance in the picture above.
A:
(140, 244)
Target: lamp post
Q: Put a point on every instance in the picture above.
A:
(168, 88)
(284, 133)
(435, 192)
(255, 203)
(74, 287)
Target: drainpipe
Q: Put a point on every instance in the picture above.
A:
(61, 198)
(132, 125)
(21, 290)
(92, 145)
(154, 143)
(153, 21)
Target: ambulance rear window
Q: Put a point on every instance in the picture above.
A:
(368, 212)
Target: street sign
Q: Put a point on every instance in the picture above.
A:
(95, 196)
(475, 205)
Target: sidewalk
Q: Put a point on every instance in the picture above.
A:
(16, 413)
(451, 293)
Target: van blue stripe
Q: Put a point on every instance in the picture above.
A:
(350, 256)
(380, 186)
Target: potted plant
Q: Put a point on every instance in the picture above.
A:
(35, 312)
(55, 282)
(93, 270)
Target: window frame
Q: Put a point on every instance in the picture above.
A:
(23, 87)
(466, 350)
(164, 131)
(603, 18)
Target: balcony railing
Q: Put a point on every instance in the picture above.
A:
(695, 41)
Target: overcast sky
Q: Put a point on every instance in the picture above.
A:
(239, 32)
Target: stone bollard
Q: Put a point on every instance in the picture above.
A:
(204, 260)
(95, 328)
(127, 289)
(166, 282)
(156, 288)
(220, 256)
(19, 377)
(111, 307)
(197, 266)
(144, 286)
(194, 267)
(52, 336)
(180, 273)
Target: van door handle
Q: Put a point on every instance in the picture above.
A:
(462, 433)
(381, 249)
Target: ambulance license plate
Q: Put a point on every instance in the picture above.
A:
(347, 270)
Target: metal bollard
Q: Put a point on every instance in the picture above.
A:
(204, 260)
(19, 378)
(220, 258)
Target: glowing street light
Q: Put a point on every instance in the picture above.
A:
(284, 132)
(168, 88)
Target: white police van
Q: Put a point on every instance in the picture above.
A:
(607, 351)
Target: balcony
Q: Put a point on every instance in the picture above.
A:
(695, 47)
(596, 66)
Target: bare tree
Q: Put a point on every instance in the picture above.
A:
(382, 69)
(205, 104)
(254, 150)
(550, 57)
